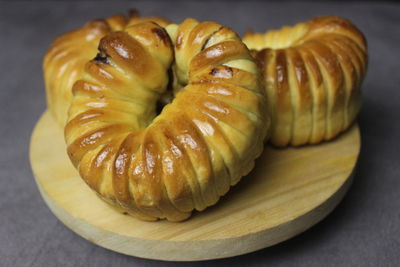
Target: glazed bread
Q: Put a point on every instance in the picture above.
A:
(312, 72)
(65, 60)
(165, 165)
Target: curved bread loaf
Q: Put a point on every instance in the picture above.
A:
(65, 60)
(313, 72)
(166, 165)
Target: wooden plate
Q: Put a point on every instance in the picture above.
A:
(289, 191)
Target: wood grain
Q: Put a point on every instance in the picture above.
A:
(289, 191)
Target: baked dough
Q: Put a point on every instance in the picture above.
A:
(313, 72)
(185, 158)
(65, 60)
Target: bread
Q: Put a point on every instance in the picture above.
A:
(64, 61)
(165, 166)
(313, 72)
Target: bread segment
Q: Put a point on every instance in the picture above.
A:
(155, 166)
(319, 65)
(64, 62)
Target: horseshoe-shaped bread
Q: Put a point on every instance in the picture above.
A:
(313, 72)
(185, 158)
(64, 62)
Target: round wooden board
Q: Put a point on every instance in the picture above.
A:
(288, 191)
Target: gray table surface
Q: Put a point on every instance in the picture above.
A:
(364, 230)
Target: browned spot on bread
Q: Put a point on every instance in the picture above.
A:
(225, 72)
(162, 34)
(281, 71)
(102, 57)
(261, 57)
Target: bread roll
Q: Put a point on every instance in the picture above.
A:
(156, 166)
(313, 73)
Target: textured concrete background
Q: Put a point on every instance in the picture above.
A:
(364, 230)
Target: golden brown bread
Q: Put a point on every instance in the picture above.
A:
(64, 61)
(164, 166)
(313, 72)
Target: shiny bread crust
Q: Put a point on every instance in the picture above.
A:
(64, 61)
(155, 166)
(312, 72)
